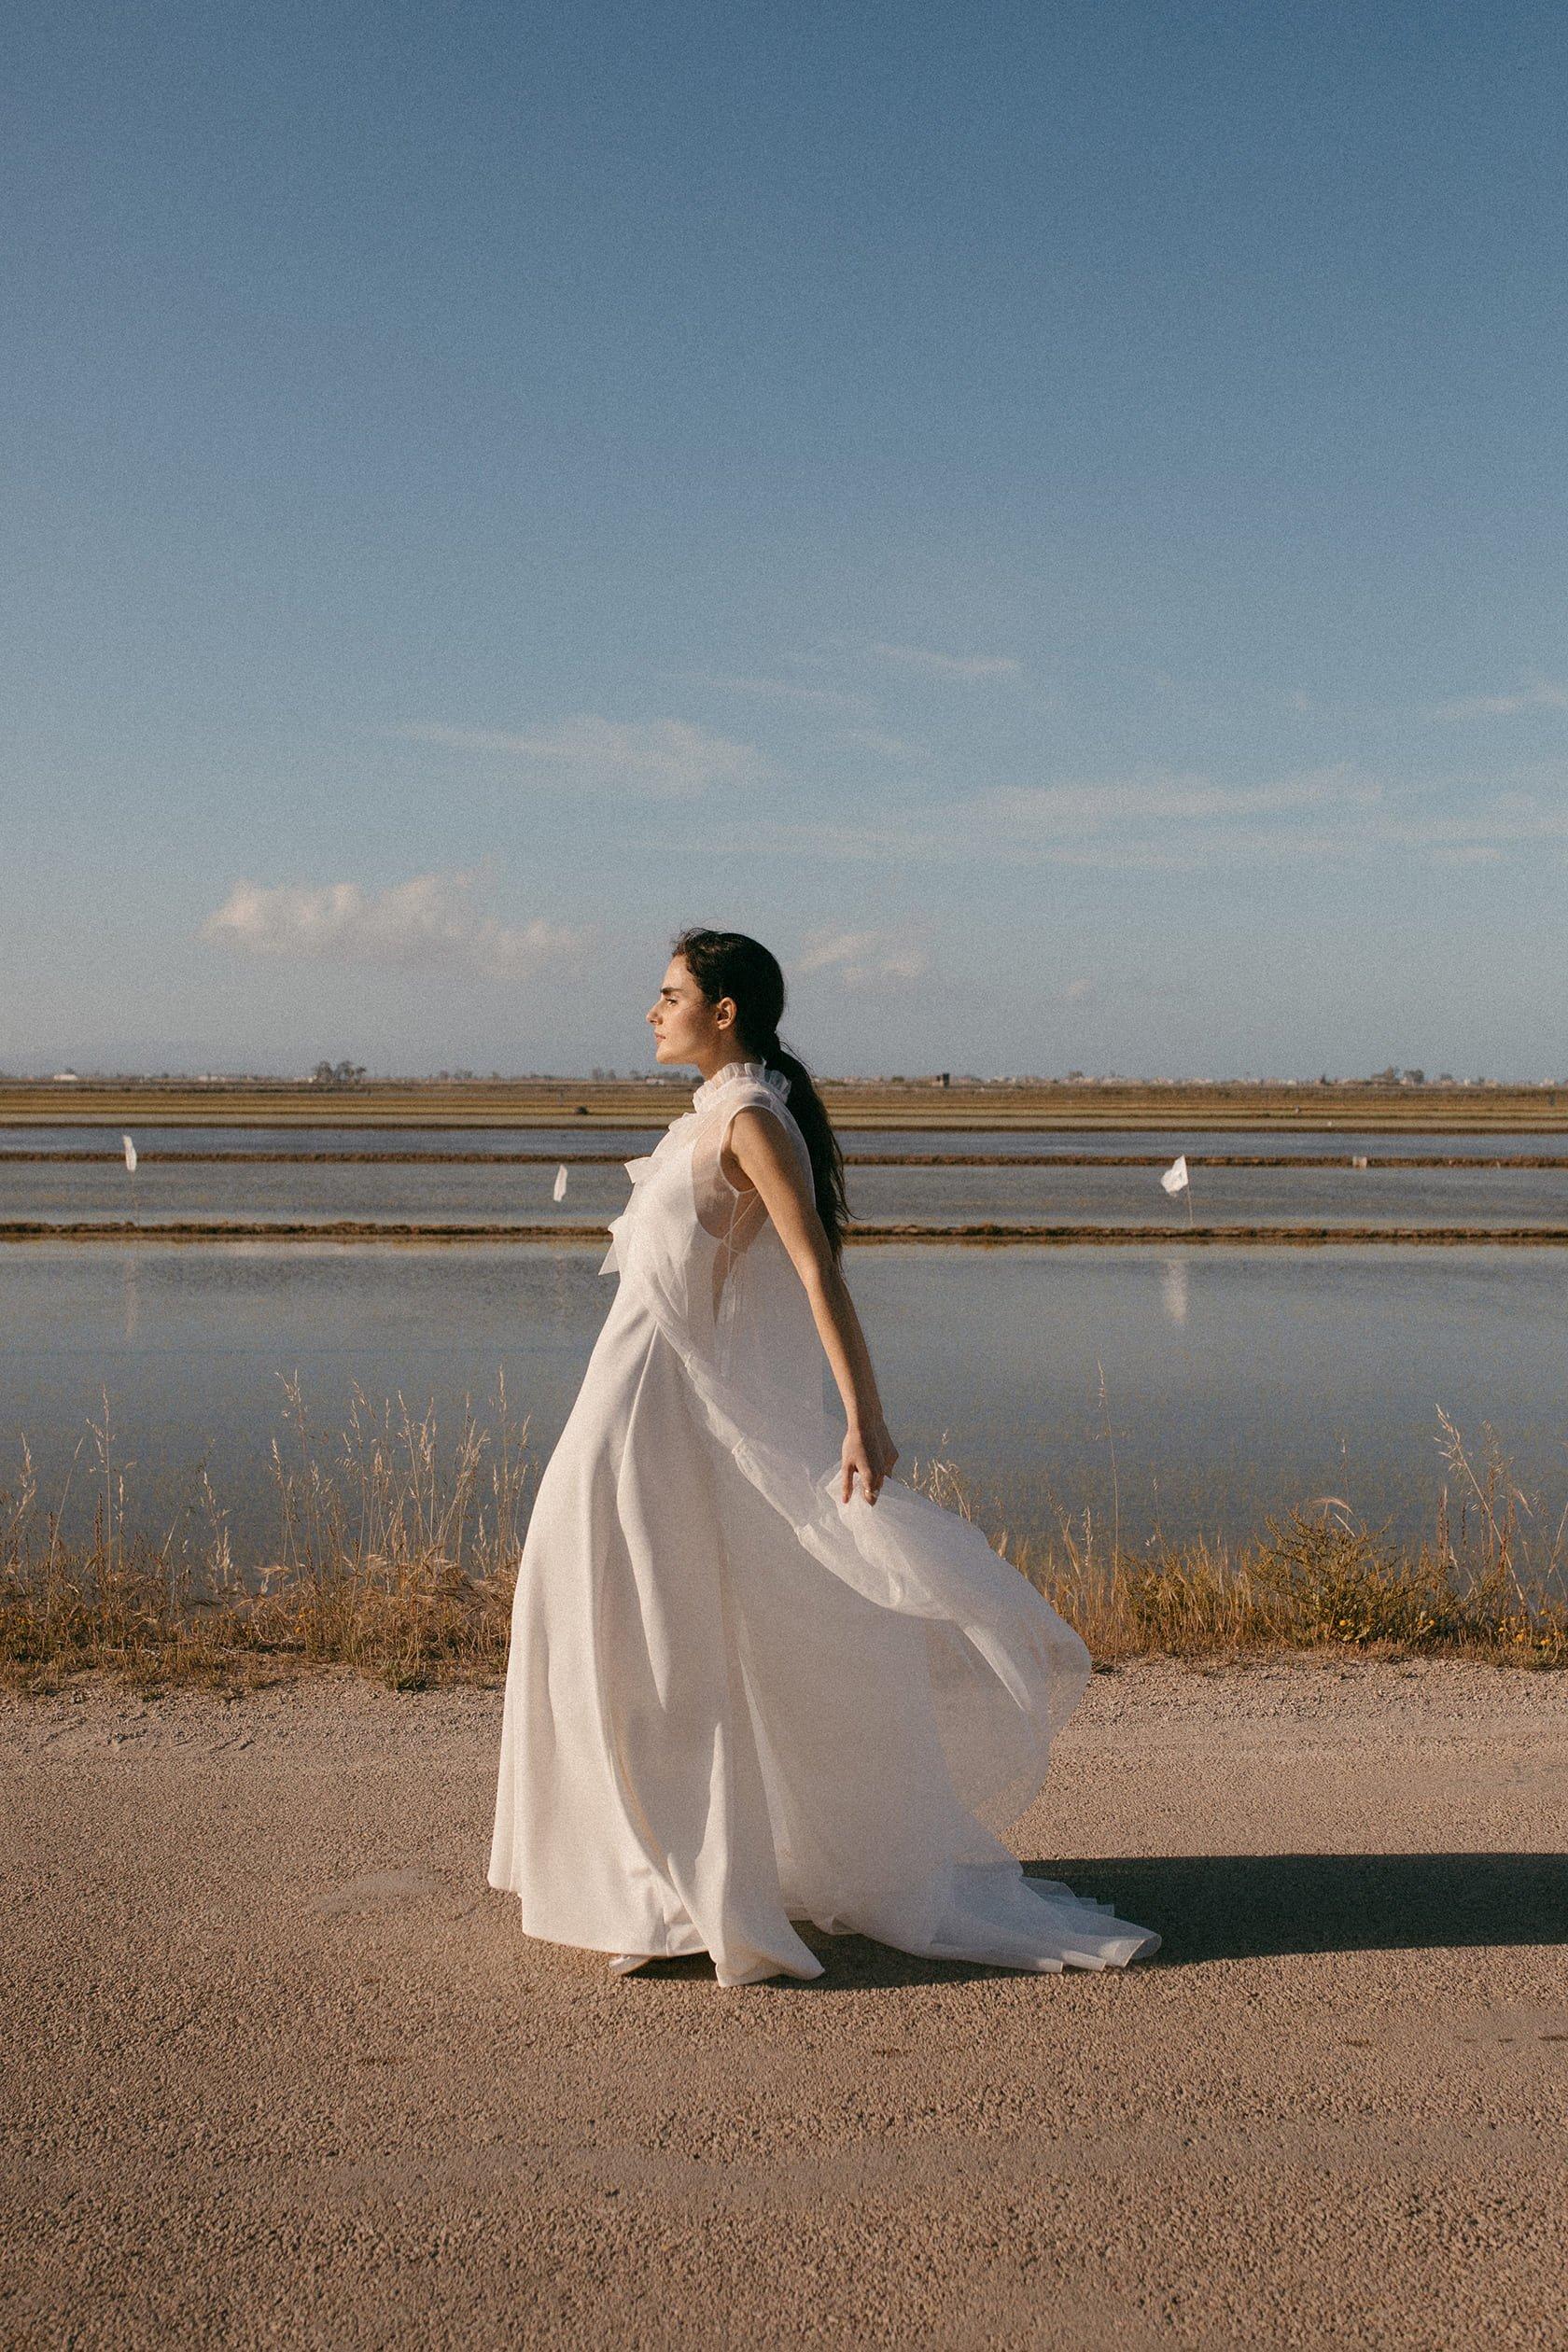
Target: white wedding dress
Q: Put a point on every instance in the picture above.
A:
(733, 1700)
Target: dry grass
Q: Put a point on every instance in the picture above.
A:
(394, 1556)
(1484, 1583)
(911, 1104)
(397, 1557)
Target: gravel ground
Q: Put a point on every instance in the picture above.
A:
(282, 2070)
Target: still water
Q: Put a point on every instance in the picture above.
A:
(623, 1142)
(1236, 1382)
(271, 1190)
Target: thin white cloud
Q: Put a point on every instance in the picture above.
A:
(959, 665)
(1541, 696)
(813, 838)
(1166, 822)
(1509, 817)
(786, 689)
(861, 958)
(430, 924)
(667, 758)
(1046, 811)
(887, 747)
(959, 835)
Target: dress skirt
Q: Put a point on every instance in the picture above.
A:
(708, 1736)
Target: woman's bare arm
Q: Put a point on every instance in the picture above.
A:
(762, 1151)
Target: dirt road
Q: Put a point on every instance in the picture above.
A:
(282, 2070)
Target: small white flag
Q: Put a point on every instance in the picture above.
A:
(129, 1153)
(560, 1192)
(1175, 1177)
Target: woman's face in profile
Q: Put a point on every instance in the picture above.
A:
(686, 1028)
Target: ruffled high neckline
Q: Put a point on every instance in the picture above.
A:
(730, 1071)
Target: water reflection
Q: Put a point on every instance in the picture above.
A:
(284, 1192)
(1236, 1382)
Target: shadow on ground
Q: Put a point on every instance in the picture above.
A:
(1251, 1907)
(1256, 1906)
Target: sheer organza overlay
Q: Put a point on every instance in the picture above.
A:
(733, 1699)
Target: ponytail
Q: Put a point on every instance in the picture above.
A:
(827, 1161)
(729, 964)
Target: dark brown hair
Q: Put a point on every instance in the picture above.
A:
(728, 964)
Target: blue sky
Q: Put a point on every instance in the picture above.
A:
(1052, 517)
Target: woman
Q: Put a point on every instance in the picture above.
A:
(753, 1680)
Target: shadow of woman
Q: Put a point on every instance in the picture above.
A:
(1246, 1907)
(1255, 1906)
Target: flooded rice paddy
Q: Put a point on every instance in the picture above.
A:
(1174, 1390)
(505, 1180)
(1146, 1388)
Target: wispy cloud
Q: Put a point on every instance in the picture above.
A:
(785, 690)
(862, 957)
(1503, 818)
(1161, 799)
(1162, 821)
(890, 838)
(887, 747)
(958, 665)
(667, 758)
(430, 924)
(1541, 696)
(974, 829)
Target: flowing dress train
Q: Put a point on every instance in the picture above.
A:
(733, 1701)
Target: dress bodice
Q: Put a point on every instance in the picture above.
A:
(705, 1255)
(680, 1185)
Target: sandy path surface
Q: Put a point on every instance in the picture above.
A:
(282, 2070)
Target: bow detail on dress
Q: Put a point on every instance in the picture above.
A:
(636, 1169)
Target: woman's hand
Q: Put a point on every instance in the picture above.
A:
(869, 1453)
